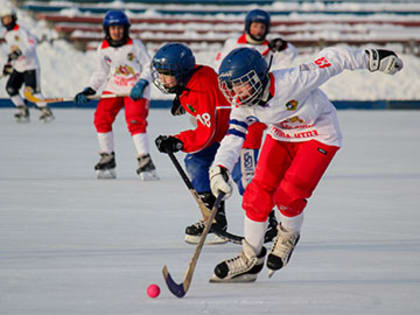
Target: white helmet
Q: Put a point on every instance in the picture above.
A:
(5, 11)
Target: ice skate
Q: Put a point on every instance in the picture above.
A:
(46, 114)
(194, 231)
(242, 268)
(146, 169)
(271, 232)
(22, 115)
(282, 249)
(105, 168)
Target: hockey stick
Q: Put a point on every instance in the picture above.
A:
(203, 208)
(181, 289)
(28, 94)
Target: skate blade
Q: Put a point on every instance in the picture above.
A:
(211, 239)
(240, 279)
(47, 120)
(106, 174)
(22, 120)
(271, 272)
(148, 176)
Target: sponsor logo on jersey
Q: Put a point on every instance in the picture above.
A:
(130, 56)
(291, 105)
(125, 70)
(107, 59)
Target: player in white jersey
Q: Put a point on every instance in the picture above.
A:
(22, 66)
(277, 51)
(279, 54)
(122, 62)
(303, 137)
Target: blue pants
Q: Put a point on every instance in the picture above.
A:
(198, 165)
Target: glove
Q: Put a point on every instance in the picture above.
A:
(219, 181)
(169, 144)
(81, 98)
(136, 92)
(7, 69)
(383, 60)
(177, 109)
(15, 54)
(277, 44)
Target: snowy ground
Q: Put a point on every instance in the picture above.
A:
(70, 244)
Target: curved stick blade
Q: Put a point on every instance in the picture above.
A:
(176, 289)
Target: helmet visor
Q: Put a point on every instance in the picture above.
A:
(244, 90)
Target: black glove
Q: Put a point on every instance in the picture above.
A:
(383, 60)
(7, 69)
(277, 44)
(15, 54)
(81, 98)
(168, 144)
(177, 109)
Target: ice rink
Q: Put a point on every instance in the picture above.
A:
(71, 244)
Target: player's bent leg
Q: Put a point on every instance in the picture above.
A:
(242, 268)
(197, 165)
(194, 231)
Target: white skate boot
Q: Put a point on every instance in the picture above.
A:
(146, 169)
(242, 268)
(282, 249)
(105, 168)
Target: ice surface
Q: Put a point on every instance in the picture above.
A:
(70, 244)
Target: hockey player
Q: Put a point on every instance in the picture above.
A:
(277, 51)
(303, 137)
(122, 62)
(196, 90)
(279, 54)
(22, 66)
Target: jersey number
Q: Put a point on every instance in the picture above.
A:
(322, 62)
(205, 119)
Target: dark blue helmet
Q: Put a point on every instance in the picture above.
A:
(173, 59)
(116, 17)
(260, 16)
(243, 76)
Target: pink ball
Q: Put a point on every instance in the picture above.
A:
(153, 291)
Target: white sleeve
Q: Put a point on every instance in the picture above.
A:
(145, 61)
(228, 46)
(230, 148)
(100, 76)
(329, 62)
(284, 59)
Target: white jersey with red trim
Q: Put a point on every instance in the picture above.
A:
(281, 59)
(298, 110)
(19, 37)
(119, 68)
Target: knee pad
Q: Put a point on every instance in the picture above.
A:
(257, 202)
(12, 91)
(289, 199)
(102, 123)
(136, 125)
